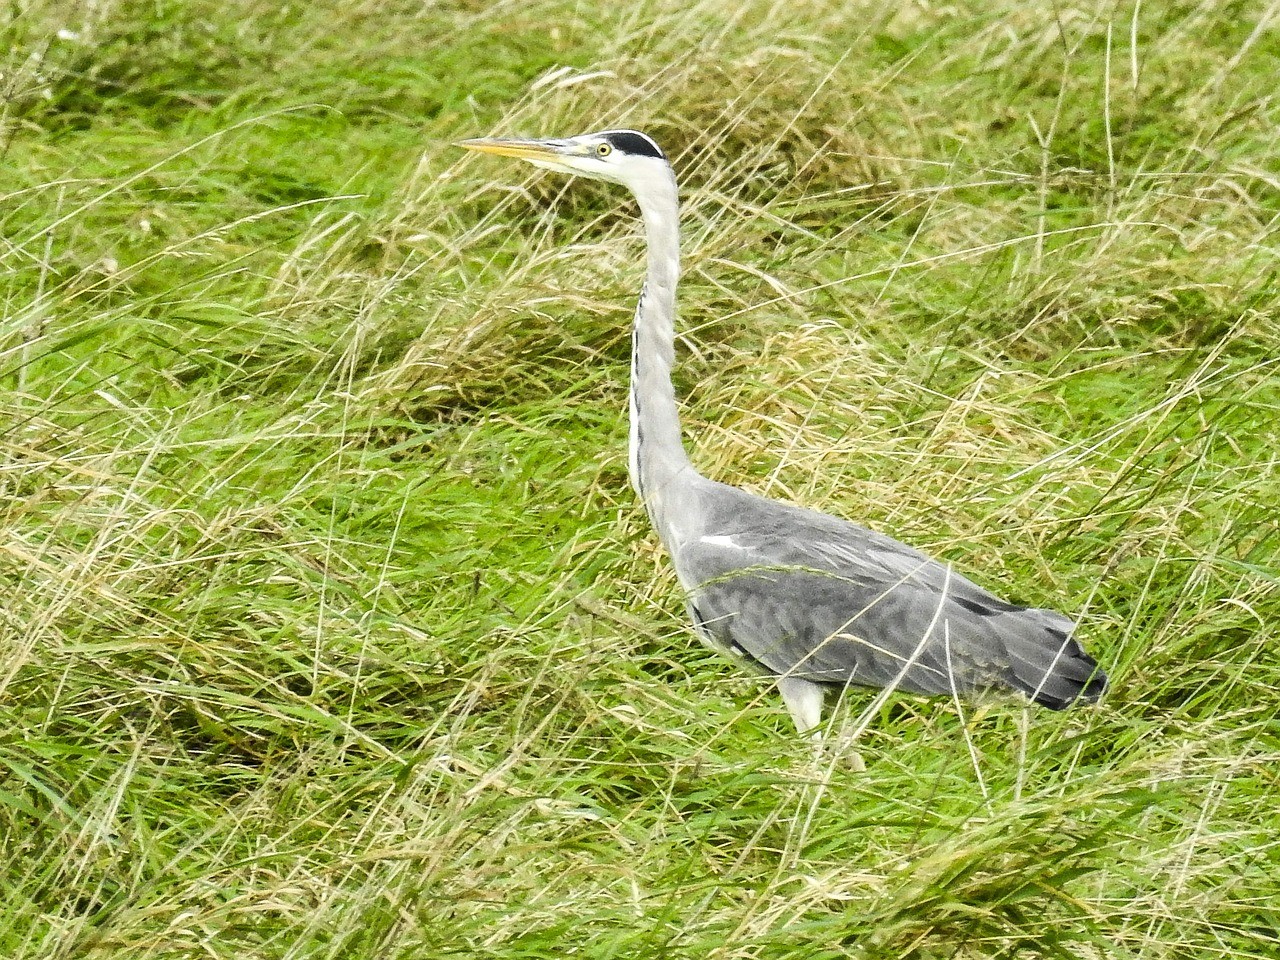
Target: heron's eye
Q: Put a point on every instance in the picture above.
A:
(604, 149)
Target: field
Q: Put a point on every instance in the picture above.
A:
(330, 625)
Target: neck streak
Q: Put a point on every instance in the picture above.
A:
(657, 456)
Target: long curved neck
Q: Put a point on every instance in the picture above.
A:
(657, 456)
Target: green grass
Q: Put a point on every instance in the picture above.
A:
(331, 627)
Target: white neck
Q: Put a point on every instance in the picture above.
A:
(657, 456)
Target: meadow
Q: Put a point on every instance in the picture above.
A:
(330, 626)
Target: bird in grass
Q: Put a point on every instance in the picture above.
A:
(816, 602)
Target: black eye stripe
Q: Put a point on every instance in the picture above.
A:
(634, 144)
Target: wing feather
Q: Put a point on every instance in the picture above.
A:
(804, 594)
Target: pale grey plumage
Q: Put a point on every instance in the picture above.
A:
(816, 601)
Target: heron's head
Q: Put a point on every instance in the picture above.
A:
(621, 156)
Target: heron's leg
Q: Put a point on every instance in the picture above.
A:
(846, 753)
(804, 701)
(846, 749)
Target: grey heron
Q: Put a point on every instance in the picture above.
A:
(814, 601)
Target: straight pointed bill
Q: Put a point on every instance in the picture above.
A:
(563, 156)
(522, 149)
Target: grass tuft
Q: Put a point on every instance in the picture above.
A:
(331, 627)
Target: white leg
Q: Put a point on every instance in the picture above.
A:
(804, 701)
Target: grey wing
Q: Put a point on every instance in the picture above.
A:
(824, 626)
(805, 594)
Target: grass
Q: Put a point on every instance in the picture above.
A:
(332, 628)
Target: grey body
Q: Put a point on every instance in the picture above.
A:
(815, 601)
(805, 595)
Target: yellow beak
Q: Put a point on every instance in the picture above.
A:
(523, 149)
